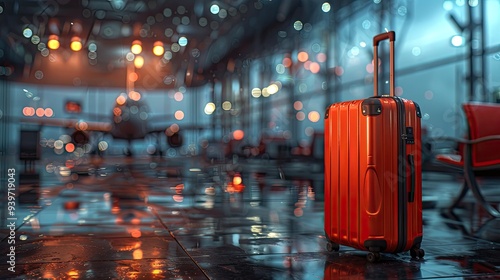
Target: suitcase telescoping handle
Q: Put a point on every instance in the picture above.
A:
(391, 35)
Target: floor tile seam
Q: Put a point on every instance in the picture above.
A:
(165, 226)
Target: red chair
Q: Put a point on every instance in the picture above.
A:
(481, 151)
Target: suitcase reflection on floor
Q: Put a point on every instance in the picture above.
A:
(352, 265)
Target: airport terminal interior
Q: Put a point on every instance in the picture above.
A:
(185, 139)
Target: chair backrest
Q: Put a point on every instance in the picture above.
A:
(483, 120)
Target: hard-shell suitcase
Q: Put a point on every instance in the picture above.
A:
(373, 180)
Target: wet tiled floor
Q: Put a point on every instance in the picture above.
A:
(186, 218)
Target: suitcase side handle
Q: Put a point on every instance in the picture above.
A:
(391, 35)
(411, 194)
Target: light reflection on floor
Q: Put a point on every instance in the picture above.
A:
(150, 218)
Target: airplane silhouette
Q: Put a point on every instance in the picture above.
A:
(130, 120)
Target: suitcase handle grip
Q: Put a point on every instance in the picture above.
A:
(391, 35)
(411, 194)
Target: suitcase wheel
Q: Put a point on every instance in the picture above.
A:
(417, 252)
(330, 246)
(373, 256)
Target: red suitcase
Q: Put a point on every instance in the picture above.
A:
(373, 178)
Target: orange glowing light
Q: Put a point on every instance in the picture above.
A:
(49, 112)
(302, 56)
(136, 233)
(307, 65)
(81, 125)
(53, 42)
(70, 147)
(120, 100)
(179, 115)
(28, 111)
(73, 107)
(297, 105)
(174, 128)
(73, 273)
(321, 57)
(137, 254)
(300, 116)
(40, 112)
(179, 188)
(314, 67)
(287, 62)
(133, 77)
(134, 95)
(238, 134)
(339, 70)
(139, 61)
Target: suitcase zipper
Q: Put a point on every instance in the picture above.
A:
(402, 193)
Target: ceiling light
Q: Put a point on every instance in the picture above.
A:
(76, 44)
(158, 49)
(53, 42)
(136, 47)
(139, 61)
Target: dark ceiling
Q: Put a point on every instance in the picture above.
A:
(216, 42)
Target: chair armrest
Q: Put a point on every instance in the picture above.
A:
(482, 139)
(467, 141)
(464, 159)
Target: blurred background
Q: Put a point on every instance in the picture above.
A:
(181, 139)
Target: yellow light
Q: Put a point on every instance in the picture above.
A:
(136, 47)
(226, 105)
(237, 179)
(209, 108)
(76, 44)
(314, 67)
(139, 61)
(175, 128)
(272, 89)
(158, 49)
(53, 42)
